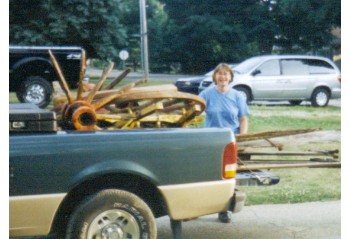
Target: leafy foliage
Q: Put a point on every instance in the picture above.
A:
(306, 24)
(195, 34)
(211, 32)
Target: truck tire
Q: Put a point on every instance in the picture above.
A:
(112, 214)
(36, 90)
(320, 97)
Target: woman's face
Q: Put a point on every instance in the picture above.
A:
(222, 78)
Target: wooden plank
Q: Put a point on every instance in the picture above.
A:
(91, 94)
(172, 119)
(289, 161)
(108, 99)
(139, 90)
(107, 93)
(190, 114)
(308, 153)
(61, 77)
(271, 134)
(135, 96)
(149, 110)
(279, 166)
(117, 79)
(81, 76)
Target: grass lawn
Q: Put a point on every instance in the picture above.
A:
(296, 186)
(299, 184)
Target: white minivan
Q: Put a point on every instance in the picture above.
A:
(294, 78)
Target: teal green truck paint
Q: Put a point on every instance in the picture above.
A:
(176, 172)
(60, 161)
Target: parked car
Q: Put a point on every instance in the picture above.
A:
(191, 84)
(294, 78)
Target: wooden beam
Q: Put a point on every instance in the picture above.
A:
(117, 79)
(271, 134)
(61, 77)
(332, 153)
(279, 166)
(190, 114)
(149, 110)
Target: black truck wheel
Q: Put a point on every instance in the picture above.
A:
(112, 214)
(36, 90)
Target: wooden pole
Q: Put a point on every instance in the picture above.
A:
(117, 80)
(61, 77)
(271, 134)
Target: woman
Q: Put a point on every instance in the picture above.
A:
(225, 108)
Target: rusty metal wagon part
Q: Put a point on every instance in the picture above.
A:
(125, 107)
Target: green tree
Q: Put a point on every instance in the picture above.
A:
(217, 31)
(305, 25)
(94, 25)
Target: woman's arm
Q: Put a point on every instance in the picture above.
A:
(243, 124)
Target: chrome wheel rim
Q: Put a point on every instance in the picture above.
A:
(114, 224)
(321, 98)
(35, 94)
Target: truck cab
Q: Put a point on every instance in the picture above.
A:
(31, 72)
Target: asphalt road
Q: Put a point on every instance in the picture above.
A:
(321, 220)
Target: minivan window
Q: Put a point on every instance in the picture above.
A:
(319, 67)
(247, 65)
(269, 68)
(294, 67)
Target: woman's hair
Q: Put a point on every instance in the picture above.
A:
(223, 66)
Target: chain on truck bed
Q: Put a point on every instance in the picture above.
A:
(124, 107)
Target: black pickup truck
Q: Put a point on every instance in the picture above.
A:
(32, 73)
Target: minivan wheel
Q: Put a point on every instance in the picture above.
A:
(320, 97)
(295, 102)
(245, 93)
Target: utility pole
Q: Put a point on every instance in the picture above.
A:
(144, 40)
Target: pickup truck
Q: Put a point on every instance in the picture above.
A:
(31, 72)
(113, 184)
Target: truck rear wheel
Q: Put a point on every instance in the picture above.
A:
(36, 90)
(112, 214)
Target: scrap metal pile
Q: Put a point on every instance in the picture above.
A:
(162, 106)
